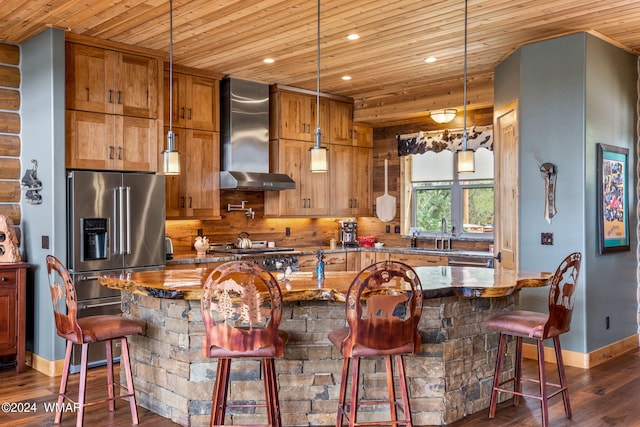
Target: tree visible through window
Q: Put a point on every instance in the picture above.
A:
(465, 201)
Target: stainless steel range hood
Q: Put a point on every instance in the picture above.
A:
(244, 150)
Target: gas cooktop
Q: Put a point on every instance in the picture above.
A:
(257, 247)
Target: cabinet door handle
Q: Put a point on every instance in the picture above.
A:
(111, 152)
(110, 96)
(182, 202)
(190, 202)
(190, 115)
(119, 97)
(182, 112)
(3, 279)
(120, 153)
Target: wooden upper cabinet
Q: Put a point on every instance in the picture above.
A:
(351, 178)
(106, 141)
(362, 135)
(296, 116)
(362, 183)
(195, 193)
(105, 81)
(309, 198)
(341, 120)
(195, 102)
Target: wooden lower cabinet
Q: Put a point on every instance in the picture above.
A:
(335, 261)
(13, 282)
(194, 265)
(368, 258)
(419, 260)
(195, 193)
(414, 260)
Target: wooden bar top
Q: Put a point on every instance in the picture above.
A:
(437, 282)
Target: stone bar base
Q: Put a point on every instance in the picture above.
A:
(451, 376)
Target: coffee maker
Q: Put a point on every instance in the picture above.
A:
(349, 232)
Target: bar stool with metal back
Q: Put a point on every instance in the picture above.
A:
(538, 326)
(383, 308)
(241, 307)
(84, 331)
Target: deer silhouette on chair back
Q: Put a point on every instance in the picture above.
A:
(384, 305)
(562, 296)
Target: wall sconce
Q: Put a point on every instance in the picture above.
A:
(443, 116)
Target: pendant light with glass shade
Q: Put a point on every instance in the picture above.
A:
(171, 156)
(318, 158)
(465, 157)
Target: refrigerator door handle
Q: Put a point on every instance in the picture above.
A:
(127, 220)
(120, 224)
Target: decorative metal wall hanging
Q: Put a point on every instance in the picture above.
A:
(32, 184)
(449, 139)
(549, 174)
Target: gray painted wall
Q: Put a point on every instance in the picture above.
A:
(43, 139)
(611, 98)
(573, 92)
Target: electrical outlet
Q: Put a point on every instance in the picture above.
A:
(287, 231)
(45, 242)
(387, 229)
(546, 238)
(396, 229)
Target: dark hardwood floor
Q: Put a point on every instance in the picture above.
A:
(606, 395)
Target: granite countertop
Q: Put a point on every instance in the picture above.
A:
(222, 257)
(437, 282)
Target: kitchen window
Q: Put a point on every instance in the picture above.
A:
(436, 192)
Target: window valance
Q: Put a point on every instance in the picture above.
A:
(449, 139)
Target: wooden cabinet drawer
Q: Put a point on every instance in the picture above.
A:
(332, 262)
(417, 260)
(8, 277)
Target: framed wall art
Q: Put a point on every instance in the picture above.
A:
(613, 209)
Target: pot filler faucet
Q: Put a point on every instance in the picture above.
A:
(443, 239)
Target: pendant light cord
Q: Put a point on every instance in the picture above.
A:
(171, 72)
(464, 95)
(317, 133)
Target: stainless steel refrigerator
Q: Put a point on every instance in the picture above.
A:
(115, 225)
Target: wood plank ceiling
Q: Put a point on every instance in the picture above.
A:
(390, 80)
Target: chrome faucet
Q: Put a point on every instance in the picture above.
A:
(443, 239)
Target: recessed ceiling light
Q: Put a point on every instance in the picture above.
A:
(353, 37)
(268, 60)
(430, 59)
(346, 77)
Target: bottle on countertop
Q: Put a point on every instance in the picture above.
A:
(320, 267)
(414, 240)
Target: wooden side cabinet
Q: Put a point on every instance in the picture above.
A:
(13, 281)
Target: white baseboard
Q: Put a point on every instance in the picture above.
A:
(584, 360)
